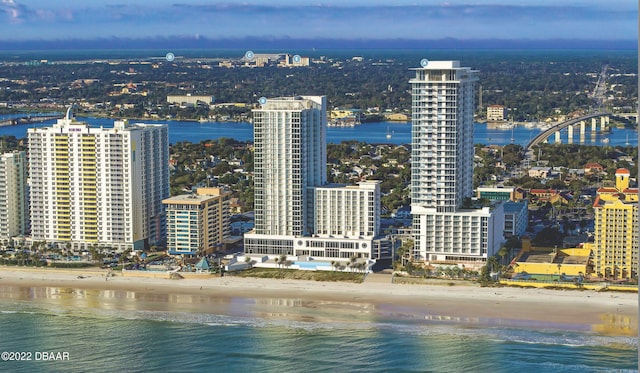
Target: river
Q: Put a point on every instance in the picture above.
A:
(376, 132)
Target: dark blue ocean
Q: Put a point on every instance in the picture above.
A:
(373, 133)
(140, 338)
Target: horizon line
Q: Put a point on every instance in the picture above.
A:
(264, 42)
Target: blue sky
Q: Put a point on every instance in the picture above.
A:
(357, 19)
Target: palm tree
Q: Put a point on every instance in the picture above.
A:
(352, 262)
(276, 260)
(283, 259)
(502, 253)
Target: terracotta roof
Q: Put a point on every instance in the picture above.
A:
(607, 190)
(593, 165)
(622, 171)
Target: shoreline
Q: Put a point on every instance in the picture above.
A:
(605, 313)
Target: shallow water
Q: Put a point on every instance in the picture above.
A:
(127, 331)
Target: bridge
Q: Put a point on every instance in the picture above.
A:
(28, 119)
(628, 116)
(569, 124)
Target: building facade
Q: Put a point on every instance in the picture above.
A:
(99, 186)
(496, 113)
(290, 157)
(516, 218)
(190, 100)
(296, 212)
(616, 229)
(497, 193)
(347, 211)
(14, 201)
(442, 95)
(197, 223)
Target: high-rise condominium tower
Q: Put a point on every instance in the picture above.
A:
(442, 95)
(290, 156)
(296, 212)
(99, 186)
(14, 204)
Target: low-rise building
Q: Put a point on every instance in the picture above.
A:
(498, 194)
(190, 100)
(540, 172)
(496, 113)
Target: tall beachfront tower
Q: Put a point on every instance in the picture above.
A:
(616, 229)
(296, 212)
(442, 95)
(99, 187)
(290, 156)
(14, 203)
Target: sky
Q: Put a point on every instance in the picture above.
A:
(355, 19)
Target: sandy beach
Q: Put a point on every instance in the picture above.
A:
(377, 298)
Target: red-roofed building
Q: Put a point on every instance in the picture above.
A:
(593, 167)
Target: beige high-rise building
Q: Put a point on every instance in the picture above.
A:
(615, 244)
(197, 223)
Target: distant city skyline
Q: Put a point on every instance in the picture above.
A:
(283, 19)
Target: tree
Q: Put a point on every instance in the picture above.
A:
(504, 250)
(352, 262)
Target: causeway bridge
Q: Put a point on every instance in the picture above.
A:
(580, 122)
(28, 119)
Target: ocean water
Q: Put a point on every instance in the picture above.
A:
(134, 337)
(373, 133)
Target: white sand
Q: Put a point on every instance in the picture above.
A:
(570, 307)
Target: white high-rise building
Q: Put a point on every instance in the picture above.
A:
(99, 186)
(348, 211)
(296, 212)
(290, 156)
(442, 168)
(14, 203)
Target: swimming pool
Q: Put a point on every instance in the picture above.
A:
(312, 264)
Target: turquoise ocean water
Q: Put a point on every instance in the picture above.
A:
(100, 338)
(125, 336)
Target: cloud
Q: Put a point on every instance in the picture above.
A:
(22, 14)
(357, 20)
(12, 10)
